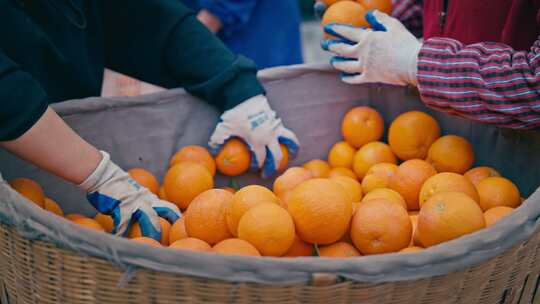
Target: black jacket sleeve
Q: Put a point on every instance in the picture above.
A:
(162, 42)
(22, 99)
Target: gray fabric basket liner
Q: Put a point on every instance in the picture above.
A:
(144, 131)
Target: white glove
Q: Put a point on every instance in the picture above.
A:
(257, 124)
(112, 191)
(388, 53)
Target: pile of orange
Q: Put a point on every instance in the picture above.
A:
(368, 196)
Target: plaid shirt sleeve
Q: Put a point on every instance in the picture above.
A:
(410, 13)
(488, 82)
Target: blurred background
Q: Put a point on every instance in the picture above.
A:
(116, 84)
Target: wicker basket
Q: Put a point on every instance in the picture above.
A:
(41, 267)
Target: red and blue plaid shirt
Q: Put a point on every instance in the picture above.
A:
(488, 82)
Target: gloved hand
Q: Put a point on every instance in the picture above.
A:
(388, 53)
(257, 124)
(112, 191)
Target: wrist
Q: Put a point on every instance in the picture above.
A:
(94, 178)
(413, 66)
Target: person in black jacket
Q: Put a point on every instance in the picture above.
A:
(56, 50)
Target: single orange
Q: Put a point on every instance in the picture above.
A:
(408, 180)
(74, 216)
(318, 168)
(476, 175)
(384, 6)
(498, 191)
(29, 189)
(284, 158)
(135, 231)
(88, 223)
(245, 199)
(234, 158)
(52, 206)
(412, 133)
(360, 125)
(446, 182)
(205, 216)
(411, 249)
(195, 154)
(184, 181)
(378, 176)
(351, 187)
(321, 211)
(451, 153)
(290, 179)
(299, 248)
(178, 230)
(147, 241)
(338, 250)
(340, 171)
(269, 228)
(191, 244)
(491, 216)
(341, 155)
(105, 221)
(370, 154)
(380, 226)
(447, 216)
(386, 194)
(229, 189)
(145, 179)
(235, 247)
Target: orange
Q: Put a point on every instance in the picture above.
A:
(345, 12)
(88, 223)
(234, 158)
(498, 191)
(229, 189)
(360, 125)
(53, 207)
(105, 221)
(386, 194)
(191, 244)
(476, 175)
(235, 247)
(494, 214)
(205, 216)
(290, 179)
(408, 180)
(184, 181)
(447, 216)
(147, 241)
(29, 189)
(371, 154)
(412, 133)
(299, 248)
(269, 228)
(284, 158)
(384, 6)
(178, 230)
(414, 223)
(74, 216)
(446, 182)
(411, 249)
(321, 211)
(145, 179)
(378, 176)
(341, 155)
(245, 199)
(194, 154)
(318, 168)
(330, 2)
(351, 187)
(340, 171)
(161, 193)
(380, 226)
(135, 231)
(338, 250)
(451, 153)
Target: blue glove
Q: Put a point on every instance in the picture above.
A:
(257, 124)
(112, 191)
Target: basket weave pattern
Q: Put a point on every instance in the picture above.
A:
(39, 272)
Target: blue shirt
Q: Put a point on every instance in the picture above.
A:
(267, 31)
